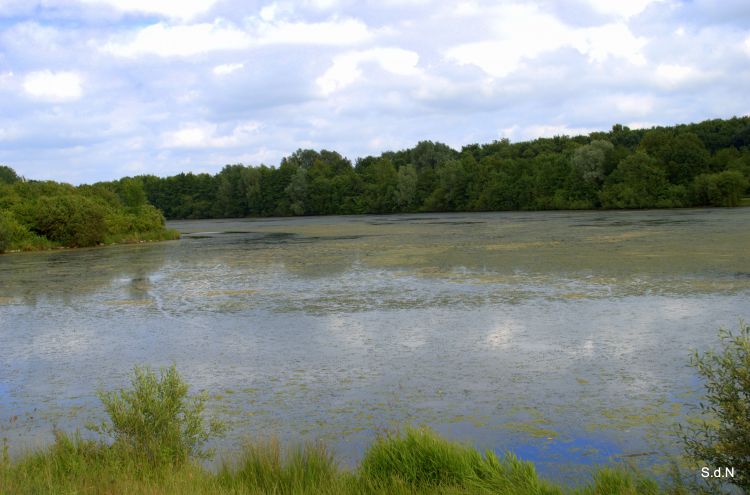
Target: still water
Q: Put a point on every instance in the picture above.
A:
(562, 336)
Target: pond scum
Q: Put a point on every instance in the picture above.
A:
(153, 444)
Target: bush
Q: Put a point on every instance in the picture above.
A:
(71, 220)
(12, 233)
(157, 419)
(722, 189)
(722, 438)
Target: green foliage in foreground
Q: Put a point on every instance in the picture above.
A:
(702, 164)
(424, 464)
(44, 215)
(156, 419)
(156, 431)
(722, 439)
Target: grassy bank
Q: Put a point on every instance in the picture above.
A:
(417, 461)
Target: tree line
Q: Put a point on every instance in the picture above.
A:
(704, 164)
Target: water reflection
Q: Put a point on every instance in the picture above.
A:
(563, 336)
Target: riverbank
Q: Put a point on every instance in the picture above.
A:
(41, 244)
(417, 462)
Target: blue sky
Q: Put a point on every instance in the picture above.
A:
(97, 89)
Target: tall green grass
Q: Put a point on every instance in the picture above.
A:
(415, 462)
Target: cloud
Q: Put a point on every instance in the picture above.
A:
(673, 75)
(632, 104)
(621, 9)
(332, 32)
(346, 68)
(611, 40)
(168, 40)
(179, 9)
(226, 69)
(187, 86)
(524, 32)
(184, 40)
(45, 85)
(205, 135)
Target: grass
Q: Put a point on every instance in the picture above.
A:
(416, 461)
(149, 236)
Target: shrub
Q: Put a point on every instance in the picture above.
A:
(722, 437)
(12, 233)
(157, 419)
(71, 220)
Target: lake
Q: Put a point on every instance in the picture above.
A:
(562, 336)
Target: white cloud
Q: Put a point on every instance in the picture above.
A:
(51, 86)
(193, 39)
(571, 66)
(523, 32)
(323, 4)
(611, 40)
(205, 135)
(625, 9)
(180, 9)
(333, 32)
(226, 69)
(167, 40)
(345, 69)
(633, 104)
(672, 75)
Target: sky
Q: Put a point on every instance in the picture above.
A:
(95, 90)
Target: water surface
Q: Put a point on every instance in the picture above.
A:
(562, 336)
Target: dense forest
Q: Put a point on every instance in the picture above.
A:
(45, 214)
(705, 164)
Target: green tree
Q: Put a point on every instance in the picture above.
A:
(722, 438)
(297, 192)
(722, 189)
(380, 182)
(589, 161)
(8, 175)
(638, 182)
(132, 193)
(406, 187)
